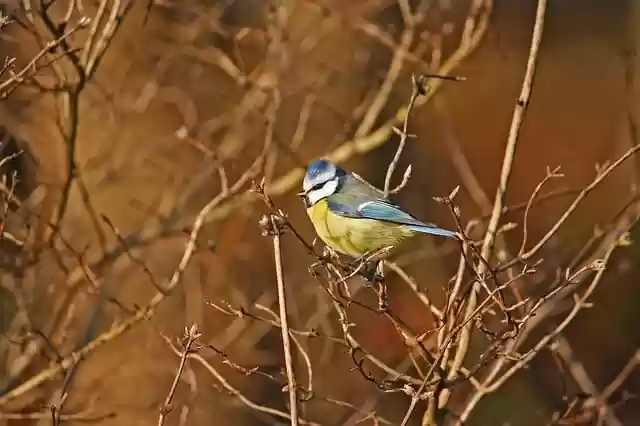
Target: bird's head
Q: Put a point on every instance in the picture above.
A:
(322, 179)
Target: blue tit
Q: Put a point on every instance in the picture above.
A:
(353, 217)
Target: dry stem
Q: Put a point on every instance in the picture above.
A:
(498, 205)
(284, 328)
(191, 334)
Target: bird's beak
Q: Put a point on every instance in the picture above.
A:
(303, 195)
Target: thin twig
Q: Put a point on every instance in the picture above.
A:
(378, 136)
(284, 328)
(151, 307)
(579, 373)
(498, 205)
(237, 393)
(192, 335)
(576, 202)
(624, 374)
(514, 131)
(417, 90)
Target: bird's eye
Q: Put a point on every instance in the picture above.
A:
(317, 186)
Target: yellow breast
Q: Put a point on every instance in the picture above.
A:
(354, 237)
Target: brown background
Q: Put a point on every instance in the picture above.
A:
(136, 168)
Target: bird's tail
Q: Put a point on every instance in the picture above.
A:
(434, 230)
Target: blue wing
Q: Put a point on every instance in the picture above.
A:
(385, 211)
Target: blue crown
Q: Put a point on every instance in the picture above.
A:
(318, 167)
(320, 171)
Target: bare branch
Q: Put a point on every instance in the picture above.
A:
(191, 335)
(272, 225)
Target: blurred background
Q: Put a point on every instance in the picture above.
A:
(182, 87)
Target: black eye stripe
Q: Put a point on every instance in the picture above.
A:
(317, 186)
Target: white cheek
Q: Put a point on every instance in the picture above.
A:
(323, 192)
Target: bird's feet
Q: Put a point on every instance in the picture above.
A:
(370, 272)
(373, 273)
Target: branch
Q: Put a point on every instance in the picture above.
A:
(150, 308)
(418, 89)
(514, 132)
(581, 377)
(376, 138)
(191, 335)
(493, 382)
(554, 229)
(498, 205)
(31, 68)
(273, 225)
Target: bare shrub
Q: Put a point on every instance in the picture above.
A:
(171, 126)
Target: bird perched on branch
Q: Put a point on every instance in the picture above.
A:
(353, 217)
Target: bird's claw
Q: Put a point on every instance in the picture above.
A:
(370, 272)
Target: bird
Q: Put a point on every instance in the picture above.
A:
(352, 216)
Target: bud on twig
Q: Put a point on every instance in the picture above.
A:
(271, 225)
